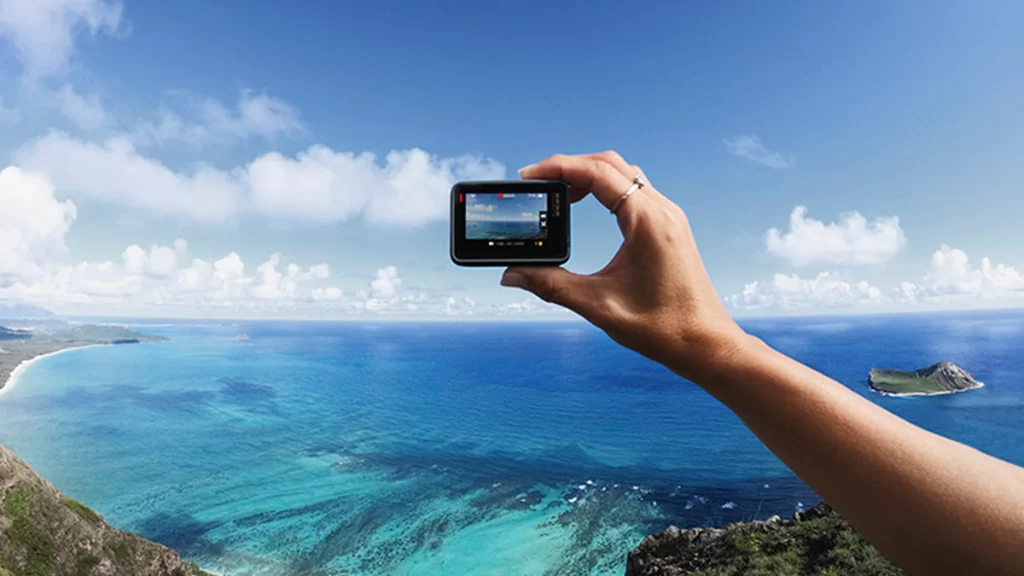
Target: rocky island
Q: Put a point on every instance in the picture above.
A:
(45, 533)
(18, 346)
(941, 378)
(817, 541)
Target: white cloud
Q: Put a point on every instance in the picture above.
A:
(86, 112)
(199, 121)
(159, 262)
(42, 31)
(851, 241)
(115, 172)
(410, 188)
(750, 147)
(32, 225)
(953, 280)
(320, 184)
(791, 292)
(331, 293)
(386, 284)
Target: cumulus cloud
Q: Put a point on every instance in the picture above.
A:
(749, 146)
(386, 284)
(32, 225)
(115, 172)
(86, 112)
(410, 187)
(851, 241)
(792, 292)
(319, 184)
(42, 31)
(952, 279)
(199, 121)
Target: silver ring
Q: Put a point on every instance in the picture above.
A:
(638, 183)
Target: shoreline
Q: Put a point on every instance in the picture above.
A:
(12, 380)
(901, 394)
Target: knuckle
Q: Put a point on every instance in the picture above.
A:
(611, 156)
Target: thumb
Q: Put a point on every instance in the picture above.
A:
(552, 284)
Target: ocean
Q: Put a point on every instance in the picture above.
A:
(496, 230)
(452, 448)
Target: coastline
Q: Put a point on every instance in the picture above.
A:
(899, 394)
(15, 375)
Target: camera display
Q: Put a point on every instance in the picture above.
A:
(498, 223)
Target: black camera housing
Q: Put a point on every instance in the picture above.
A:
(510, 223)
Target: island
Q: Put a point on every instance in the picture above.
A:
(20, 346)
(941, 378)
(816, 541)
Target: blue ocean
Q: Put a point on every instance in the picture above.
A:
(454, 449)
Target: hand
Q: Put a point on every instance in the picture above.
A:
(654, 296)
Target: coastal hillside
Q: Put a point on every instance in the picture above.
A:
(816, 542)
(44, 533)
(941, 378)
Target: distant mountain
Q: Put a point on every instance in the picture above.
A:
(21, 311)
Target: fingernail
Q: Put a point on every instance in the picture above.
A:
(525, 168)
(512, 278)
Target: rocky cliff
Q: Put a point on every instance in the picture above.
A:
(816, 542)
(44, 533)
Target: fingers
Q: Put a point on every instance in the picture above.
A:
(596, 173)
(553, 284)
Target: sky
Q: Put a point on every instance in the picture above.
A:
(262, 159)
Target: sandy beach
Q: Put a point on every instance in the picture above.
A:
(12, 380)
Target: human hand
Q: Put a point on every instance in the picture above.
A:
(654, 296)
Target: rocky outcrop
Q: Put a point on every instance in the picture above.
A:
(44, 533)
(941, 378)
(817, 541)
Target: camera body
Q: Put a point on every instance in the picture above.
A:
(510, 222)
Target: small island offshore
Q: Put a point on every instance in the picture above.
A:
(941, 378)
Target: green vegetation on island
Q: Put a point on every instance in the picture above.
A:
(44, 533)
(941, 378)
(817, 542)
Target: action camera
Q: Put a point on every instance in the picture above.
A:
(513, 222)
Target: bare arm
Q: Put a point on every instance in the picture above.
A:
(932, 505)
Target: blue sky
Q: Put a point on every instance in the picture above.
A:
(196, 140)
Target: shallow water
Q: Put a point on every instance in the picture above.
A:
(516, 448)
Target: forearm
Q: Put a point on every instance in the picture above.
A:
(932, 505)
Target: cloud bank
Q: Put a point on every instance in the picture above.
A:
(851, 241)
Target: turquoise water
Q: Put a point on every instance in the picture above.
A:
(518, 448)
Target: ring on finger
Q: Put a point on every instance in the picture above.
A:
(638, 183)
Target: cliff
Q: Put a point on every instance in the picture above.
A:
(941, 378)
(815, 542)
(44, 533)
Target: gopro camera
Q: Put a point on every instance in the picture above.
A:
(510, 222)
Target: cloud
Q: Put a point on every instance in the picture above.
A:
(115, 172)
(951, 279)
(86, 112)
(33, 225)
(200, 121)
(851, 241)
(750, 147)
(791, 292)
(411, 187)
(42, 31)
(386, 284)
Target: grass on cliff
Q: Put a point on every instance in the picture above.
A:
(821, 546)
(81, 510)
(37, 544)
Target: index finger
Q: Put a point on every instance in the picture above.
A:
(588, 173)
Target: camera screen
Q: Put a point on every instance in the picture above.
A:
(506, 216)
(510, 222)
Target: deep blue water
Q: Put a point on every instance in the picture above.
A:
(399, 448)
